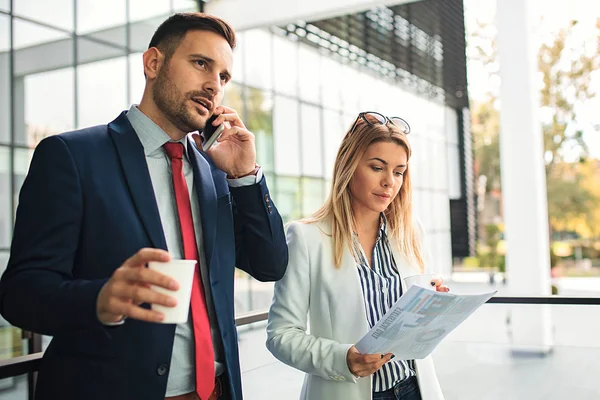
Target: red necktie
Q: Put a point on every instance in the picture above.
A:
(205, 358)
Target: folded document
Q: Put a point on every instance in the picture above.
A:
(414, 326)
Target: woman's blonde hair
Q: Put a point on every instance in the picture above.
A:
(338, 206)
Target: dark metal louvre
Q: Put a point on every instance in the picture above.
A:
(420, 44)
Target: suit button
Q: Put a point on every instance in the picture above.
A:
(162, 369)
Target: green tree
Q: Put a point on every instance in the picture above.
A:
(566, 69)
(485, 127)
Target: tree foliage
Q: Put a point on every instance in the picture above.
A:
(566, 71)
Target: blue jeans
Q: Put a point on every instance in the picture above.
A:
(408, 389)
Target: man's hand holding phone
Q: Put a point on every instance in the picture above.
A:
(211, 132)
(236, 152)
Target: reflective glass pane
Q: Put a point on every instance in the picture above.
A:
(237, 73)
(363, 85)
(6, 218)
(141, 33)
(331, 83)
(40, 49)
(309, 73)
(287, 141)
(333, 132)
(185, 5)
(453, 172)
(57, 13)
(105, 21)
(5, 5)
(93, 17)
(137, 81)
(46, 104)
(312, 195)
(89, 50)
(312, 158)
(259, 120)
(11, 345)
(101, 91)
(234, 98)
(349, 94)
(257, 58)
(288, 198)
(5, 116)
(143, 9)
(27, 34)
(22, 161)
(285, 74)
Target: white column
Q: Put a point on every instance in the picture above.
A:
(248, 14)
(523, 177)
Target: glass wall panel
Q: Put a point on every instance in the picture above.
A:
(48, 105)
(260, 122)
(333, 132)
(312, 195)
(185, 5)
(5, 5)
(286, 136)
(310, 128)
(22, 160)
(285, 74)
(369, 95)
(237, 73)
(27, 34)
(331, 83)
(6, 218)
(416, 160)
(141, 33)
(234, 98)
(137, 81)
(5, 115)
(349, 94)
(91, 50)
(257, 58)
(144, 9)
(57, 13)
(11, 345)
(101, 91)
(106, 23)
(288, 198)
(309, 74)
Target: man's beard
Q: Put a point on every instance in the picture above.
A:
(172, 103)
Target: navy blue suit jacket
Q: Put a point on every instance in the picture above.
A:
(87, 205)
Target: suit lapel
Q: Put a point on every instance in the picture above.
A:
(137, 176)
(207, 196)
(349, 265)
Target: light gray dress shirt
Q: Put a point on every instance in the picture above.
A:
(181, 373)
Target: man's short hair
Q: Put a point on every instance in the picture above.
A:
(169, 34)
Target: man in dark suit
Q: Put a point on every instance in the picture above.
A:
(98, 204)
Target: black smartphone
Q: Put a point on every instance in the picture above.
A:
(211, 133)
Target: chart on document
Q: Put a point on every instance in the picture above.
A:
(414, 326)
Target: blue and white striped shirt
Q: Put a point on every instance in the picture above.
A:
(381, 287)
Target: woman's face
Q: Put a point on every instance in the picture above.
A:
(378, 177)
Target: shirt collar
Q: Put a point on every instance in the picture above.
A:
(150, 134)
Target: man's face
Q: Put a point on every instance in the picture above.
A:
(189, 86)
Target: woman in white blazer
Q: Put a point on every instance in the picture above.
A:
(346, 265)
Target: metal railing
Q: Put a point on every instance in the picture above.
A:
(29, 364)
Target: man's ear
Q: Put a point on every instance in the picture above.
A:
(153, 62)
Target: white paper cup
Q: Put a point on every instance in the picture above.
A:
(183, 272)
(421, 280)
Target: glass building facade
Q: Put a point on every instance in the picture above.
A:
(69, 64)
